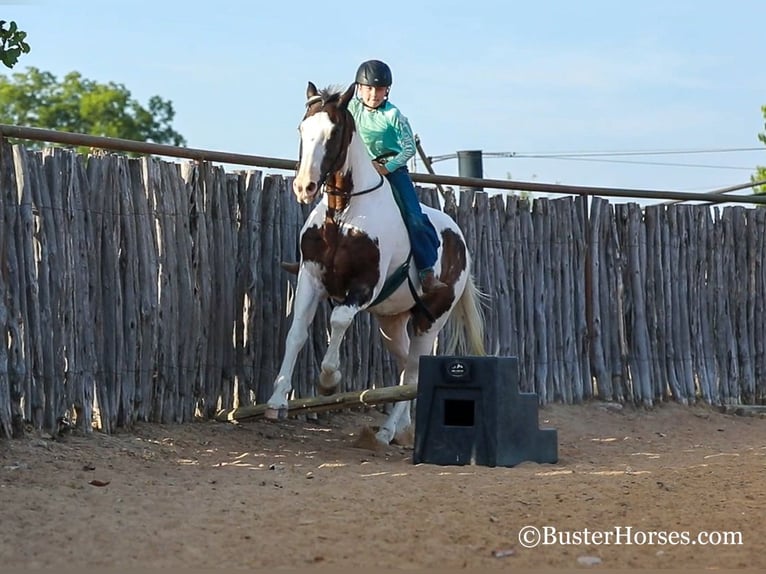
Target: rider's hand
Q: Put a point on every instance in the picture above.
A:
(380, 168)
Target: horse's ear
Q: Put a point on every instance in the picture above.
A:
(311, 91)
(347, 95)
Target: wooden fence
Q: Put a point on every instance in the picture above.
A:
(139, 289)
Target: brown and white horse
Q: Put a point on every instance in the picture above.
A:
(352, 242)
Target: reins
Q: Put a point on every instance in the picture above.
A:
(329, 190)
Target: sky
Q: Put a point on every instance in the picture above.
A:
(528, 79)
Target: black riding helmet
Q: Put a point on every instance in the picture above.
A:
(374, 73)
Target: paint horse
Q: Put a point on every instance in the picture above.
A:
(352, 245)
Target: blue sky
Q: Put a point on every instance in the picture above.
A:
(532, 78)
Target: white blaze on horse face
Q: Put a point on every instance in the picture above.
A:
(315, 132)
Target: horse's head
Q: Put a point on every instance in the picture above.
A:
(325, 132)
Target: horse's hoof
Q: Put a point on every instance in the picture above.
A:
(329, 381)
(273, 414)
(384, 436)
(327, 391)
(405, 438)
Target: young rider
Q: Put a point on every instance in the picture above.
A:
(390, 142)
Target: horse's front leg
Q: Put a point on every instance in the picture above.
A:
(340, 320)
(308, 293)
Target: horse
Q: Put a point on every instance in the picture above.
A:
(352, 244)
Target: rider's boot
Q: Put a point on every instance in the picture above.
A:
(429, 282)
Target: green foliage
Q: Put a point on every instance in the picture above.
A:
(75, 104)
(760, 174)
(12, 44)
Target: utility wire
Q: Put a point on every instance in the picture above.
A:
(620, 153)
(599, 156)
(663, 163)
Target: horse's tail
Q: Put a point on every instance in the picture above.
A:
(465, 328)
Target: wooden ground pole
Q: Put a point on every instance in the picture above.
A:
(330, 403)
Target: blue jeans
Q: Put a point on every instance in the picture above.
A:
(423, 237)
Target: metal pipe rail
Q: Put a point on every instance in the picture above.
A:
(126, 145)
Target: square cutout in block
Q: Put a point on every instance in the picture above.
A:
(459, 412)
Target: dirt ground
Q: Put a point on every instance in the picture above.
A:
(315, 493)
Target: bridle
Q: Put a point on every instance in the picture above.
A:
(335, 165)
(334, 191)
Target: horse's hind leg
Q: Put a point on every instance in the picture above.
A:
(340, 320)
(307, 297)
(419, 346)
(393, 328)
(400, 419)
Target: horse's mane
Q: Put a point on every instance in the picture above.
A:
(331, 94)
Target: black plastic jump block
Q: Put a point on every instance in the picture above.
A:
(470, 411)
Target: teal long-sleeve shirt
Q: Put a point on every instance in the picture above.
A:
(385, 131)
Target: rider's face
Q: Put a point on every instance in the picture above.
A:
(373, 96)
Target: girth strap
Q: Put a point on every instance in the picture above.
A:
(392, 283)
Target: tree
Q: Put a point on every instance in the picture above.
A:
(760, 174)
(12, 43)
(38, 99)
